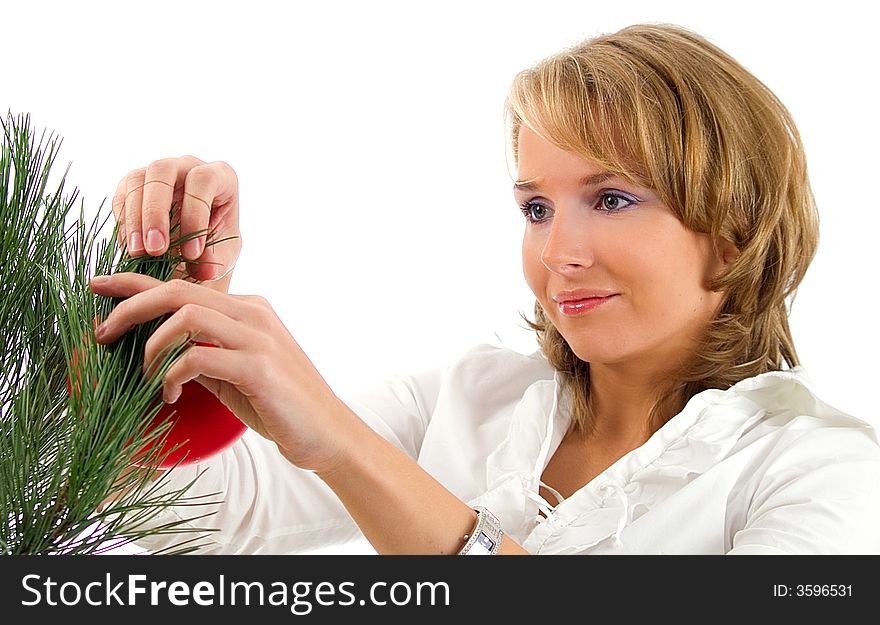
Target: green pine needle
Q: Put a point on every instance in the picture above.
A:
(62, 454)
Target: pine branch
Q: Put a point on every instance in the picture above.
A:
(64, 453)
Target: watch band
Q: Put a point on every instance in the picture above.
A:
(485, 538)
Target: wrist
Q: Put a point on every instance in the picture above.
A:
(485, 538)
(335, 447)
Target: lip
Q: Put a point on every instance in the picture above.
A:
(581, 294)
(580, 301)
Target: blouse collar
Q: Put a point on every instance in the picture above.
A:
(686, 446)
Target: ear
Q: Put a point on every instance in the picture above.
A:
(728, 253)
(725, 253)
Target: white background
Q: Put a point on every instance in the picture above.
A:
(377, 214)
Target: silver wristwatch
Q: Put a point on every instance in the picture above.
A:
(485, 538)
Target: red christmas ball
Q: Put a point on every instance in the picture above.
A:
(201, 425)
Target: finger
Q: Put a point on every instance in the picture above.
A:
(123, 284)
(208, 191)
(208, 266)
(134, 190)
(212, 362)
(149, 298)
(164, 181)
(194, 217)
(160, 180)
(195, 321)
(224, 214)
(217, 260)
(118, 206)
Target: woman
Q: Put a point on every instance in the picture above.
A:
(668, 219)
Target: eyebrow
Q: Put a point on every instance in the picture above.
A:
(586, 181)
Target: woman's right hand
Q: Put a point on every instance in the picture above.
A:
(207, 196)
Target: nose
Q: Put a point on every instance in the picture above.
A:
(567, 247)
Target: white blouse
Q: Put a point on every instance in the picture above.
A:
(764, 467)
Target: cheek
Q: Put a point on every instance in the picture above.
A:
(674, 278)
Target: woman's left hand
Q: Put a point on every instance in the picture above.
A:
(257, 369)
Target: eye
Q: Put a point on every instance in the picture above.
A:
(533, 211)
(613, 201)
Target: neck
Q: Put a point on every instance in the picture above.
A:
(622, 399)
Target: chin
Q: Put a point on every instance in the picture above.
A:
(594, 356)
(591, 342)
(591, 353)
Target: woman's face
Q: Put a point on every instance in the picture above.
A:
(637, 276)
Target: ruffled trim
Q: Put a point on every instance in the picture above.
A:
(511, 485)
(687, 446)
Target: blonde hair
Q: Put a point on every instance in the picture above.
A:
(665, 108)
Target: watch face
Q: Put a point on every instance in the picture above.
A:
(485, 542)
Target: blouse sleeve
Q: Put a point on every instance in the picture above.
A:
(818, 494)
(269, 506)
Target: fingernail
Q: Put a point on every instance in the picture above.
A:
(135, 242)
(193, 249)
(99, 280)
(169, 396)
(101, 331)
(155, 240)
